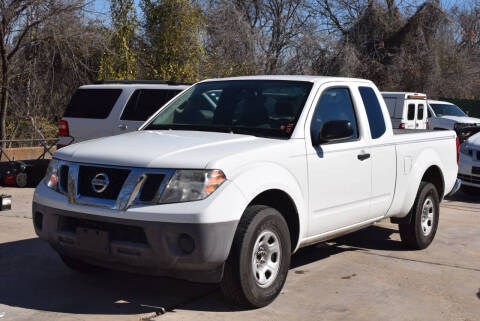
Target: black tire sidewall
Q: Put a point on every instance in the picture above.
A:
(266, 219)
(429, 190)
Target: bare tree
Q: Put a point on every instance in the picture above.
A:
(17, 20)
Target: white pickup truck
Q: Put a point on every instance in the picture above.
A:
(227, 195)
(445, 115)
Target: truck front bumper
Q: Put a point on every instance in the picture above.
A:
(191, 251)
(468, 170)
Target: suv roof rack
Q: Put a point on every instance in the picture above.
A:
(133, 82)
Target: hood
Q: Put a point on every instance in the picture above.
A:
(474, 140)
(464, 120)
(162, 149)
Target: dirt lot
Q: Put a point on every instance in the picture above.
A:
(367, 275)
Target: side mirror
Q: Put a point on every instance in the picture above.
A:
(334, 130)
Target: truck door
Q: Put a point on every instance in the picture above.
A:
(384, 157)
(339, 173)
(411, 115)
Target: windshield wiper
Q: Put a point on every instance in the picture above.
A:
(206, 128)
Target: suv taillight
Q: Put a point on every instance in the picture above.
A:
(63, 128)
(428, 124)
(402, 126)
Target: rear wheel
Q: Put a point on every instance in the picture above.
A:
(259, 259)
(21, 179)
(420, 232)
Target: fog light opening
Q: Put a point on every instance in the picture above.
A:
(38, 220)
(186, 243)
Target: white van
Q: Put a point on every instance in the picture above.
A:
(112, 107)
(407, 110)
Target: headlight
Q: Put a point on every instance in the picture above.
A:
(191, 185)
(51, 178)
(464, 149)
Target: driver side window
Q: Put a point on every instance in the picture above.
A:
(334, 104)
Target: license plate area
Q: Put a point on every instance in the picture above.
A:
(476, 170)
(93, 240)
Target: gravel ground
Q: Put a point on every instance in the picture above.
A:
(367, 275)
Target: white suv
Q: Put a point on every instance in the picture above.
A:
(112, 107)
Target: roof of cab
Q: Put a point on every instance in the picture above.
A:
(439, 102)
(134, 85)
(401, 94)
(291, 78)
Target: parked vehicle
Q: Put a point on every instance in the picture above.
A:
(112, 107)
(227, 192)
(445, 115)
(469, 168)
(407, 110)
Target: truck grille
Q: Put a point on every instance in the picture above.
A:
(469, 178)
(150, 187)
(116, 178)
(117, 232)
(64, 177)
(111, 187)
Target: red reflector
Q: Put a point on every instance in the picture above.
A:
(9, 180)
(458, 151)
(63, 128)
(402, 126)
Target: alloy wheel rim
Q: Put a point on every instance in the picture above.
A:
(427, 218)
(266, 257)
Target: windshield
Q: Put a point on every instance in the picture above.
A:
(447, 110)
(266, 108)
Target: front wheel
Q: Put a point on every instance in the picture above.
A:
(258, 263)
(425, 214)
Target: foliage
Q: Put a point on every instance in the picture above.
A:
(120, 59)
(49, 48)
(172, 39)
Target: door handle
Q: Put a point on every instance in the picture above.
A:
(363, 157)
(122, 127)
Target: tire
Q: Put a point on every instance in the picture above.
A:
(247, 281)
(470, 190)
(21, 179)
(80, 266)
(420, 232)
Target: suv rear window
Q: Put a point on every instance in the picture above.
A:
(92, 103)
(145, 102)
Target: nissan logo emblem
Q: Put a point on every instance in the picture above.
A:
(100, 182)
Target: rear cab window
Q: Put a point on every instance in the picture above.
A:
(143, 103)
(92, 103)
(374, 112)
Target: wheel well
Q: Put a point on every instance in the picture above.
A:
(434, 175)
(283, 203)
